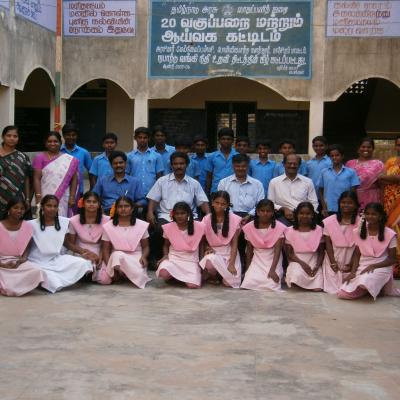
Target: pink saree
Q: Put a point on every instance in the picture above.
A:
(368, 172)
(56, 178)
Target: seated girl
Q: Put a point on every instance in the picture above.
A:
(222, 230)
(265, 238)
(305, 249)
(375, 255)
(339, 241)
(17, 275)
(181, 247)
(84, 235)
(126, 244)
(59, 270)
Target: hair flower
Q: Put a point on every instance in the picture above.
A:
(80, 203)
(112, 210)
(171, 214)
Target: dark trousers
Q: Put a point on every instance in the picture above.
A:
(242, 243)
(156, 242)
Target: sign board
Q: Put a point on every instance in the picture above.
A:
(113, 18)
(260, 38)
(379, 18)
(41, 12)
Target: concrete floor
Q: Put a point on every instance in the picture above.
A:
(168, 342)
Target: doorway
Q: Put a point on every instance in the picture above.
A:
(239, 116)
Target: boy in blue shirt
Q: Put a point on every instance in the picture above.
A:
(219, 163)
(70, 134)
(101, 165)
(320, 161)
(262, 168)
(144, 164)
(335, 180)
(287, 147)
(200, 156)
(162, 148)
(242, 145)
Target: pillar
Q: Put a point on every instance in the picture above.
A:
(7, 106)
(141, 114)
(316, 121)
(63, 111)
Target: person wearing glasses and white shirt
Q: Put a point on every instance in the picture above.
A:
(287, 191)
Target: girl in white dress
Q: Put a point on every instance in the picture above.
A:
(49, 230)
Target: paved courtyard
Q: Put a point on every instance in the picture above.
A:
(168, 342)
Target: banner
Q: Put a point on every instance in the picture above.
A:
(230, 38)
(379, 18)
(41, 12)
(99, 18)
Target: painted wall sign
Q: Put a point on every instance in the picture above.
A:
(363, 18)
(230, 38)
(99, 18)
(41, 12)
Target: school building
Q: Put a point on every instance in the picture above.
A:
(108, 84)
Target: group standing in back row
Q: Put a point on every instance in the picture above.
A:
(137, 176)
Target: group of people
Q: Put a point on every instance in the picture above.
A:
(217, 217)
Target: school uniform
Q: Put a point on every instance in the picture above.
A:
(220, 167)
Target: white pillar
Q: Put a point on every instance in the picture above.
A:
(316, 122)
(7, 106)
(141, 114)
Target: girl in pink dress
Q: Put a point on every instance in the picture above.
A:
(222, 230)
(339, 241)
(126, 244)
(265, 237)
(17, 275)
(84, 234)
(181, 247)
(374, 257)
(305, 250)
(369, 172)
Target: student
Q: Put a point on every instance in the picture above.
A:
(242, 145)
(70, 134)
(162, 148)
(335, 180)
(375, 256)
(321, 160)
(287, 147)
(222, 229)
(181, 248)
(101, 165)
(339, 241)
(145, 165)
(49, 230)
(111, 187)
(305, 250)
(126, 244)
(84, 234)
(262, 168)
(183, 146)
(219, 163)
(18, 276)
(200, 156)
(265, 237)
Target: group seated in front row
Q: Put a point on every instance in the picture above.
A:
(349, 256)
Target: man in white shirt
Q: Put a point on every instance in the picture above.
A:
(245, 192)
(287, 191)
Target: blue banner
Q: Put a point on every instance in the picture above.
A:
(190, 39)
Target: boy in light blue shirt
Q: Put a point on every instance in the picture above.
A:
(335, 180)
(162, 148)
(287, 147)
(262, 168)
(201, 157)
(101, 165)
(320, 161)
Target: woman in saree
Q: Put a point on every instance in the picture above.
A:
(56, 173)
(15, 170)
(369, 172)
(391, 197)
